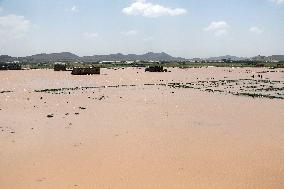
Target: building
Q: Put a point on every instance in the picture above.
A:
(59, 66)
(86, 71)
(155, 69)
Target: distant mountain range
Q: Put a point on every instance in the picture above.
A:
(54, 57)
(235, 58)
(67, 56)
(121, 57)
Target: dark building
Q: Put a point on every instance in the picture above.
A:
(59, 67)
(86, 71)
(155, 69)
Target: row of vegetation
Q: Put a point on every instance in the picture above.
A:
(241, 87)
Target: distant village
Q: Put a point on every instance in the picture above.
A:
(71, 60)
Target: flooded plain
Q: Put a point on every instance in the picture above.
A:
(124, 129)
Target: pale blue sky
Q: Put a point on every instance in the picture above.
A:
(187, 28)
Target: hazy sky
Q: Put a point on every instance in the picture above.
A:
(187, 28)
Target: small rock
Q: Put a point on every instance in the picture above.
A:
(50, 116)
(102, 97)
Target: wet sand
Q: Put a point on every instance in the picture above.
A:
(128, 129)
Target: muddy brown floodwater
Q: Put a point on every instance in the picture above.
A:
(126, 129)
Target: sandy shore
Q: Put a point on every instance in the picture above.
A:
(127, 129)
